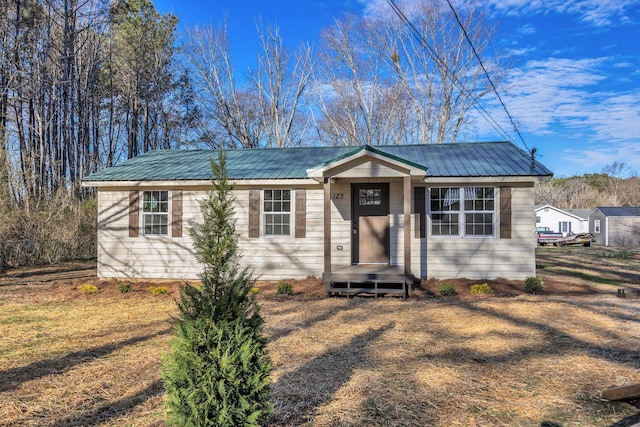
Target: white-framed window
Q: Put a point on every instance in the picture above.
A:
(465, 211)
(565, 226)
(277, 212)
(596, 226)
(155, 213)
(538, 220)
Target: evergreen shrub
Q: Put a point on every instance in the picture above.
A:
(218, 370)
(447, 289)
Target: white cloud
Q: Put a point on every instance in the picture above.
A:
(527, 29)
(598, 13)
(562, 102)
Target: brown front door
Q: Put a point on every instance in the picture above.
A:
(370, 223)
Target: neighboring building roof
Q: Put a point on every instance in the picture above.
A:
(582, 214)
(475, 159)
(620, 210)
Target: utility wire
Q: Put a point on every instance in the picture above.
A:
(418, 36)
(475, 53)
(423, 42)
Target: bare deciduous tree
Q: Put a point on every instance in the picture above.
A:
(389, 87)
(280, 80)
(263, 112)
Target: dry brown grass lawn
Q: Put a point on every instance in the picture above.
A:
(508, 359)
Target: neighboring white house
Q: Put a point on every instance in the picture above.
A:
(565, 221)
(421, 211)
(616, 226)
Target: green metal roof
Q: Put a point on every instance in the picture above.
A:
(475, 159)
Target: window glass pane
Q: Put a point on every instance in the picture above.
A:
(370, 196)
(445, 199)
(155, 209)
(155, 224)
(268, 229)
(444, 224)
(277, 206)
(479, 224)
(478, 206)
(478, 198)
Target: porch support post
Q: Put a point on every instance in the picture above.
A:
(407, 223)
(327, 225)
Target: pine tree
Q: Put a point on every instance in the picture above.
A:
(217, 373)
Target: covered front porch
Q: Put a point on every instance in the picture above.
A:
(367, 222)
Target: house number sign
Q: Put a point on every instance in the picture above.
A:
(337, 196)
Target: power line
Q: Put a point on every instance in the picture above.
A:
(434, 55)
(493, 86)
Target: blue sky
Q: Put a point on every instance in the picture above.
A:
(573, 83)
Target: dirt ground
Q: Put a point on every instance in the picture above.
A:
(577, 271)
(507, 358)
(64, 283)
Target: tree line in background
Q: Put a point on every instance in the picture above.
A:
(85, 84)
(615, 185)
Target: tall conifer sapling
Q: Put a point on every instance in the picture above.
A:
(217, 373)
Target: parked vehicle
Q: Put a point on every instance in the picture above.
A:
(545, 236)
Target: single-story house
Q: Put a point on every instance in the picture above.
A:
(356, 216)
(565, 221)
(616, 226)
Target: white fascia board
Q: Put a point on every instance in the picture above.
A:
(199, 183)
(481, 179)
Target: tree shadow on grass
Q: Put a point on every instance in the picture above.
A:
(12, 378)
(297, 394)
(620, 355)
(307, 323)
(112, 410)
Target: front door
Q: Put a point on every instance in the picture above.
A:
(370, 223)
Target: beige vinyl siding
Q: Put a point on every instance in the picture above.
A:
(480, 257)
(362, 170)
(340, 225)
(418, 253)
(159, 257)
(396, 222)
(280, 257)
(153, 257)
